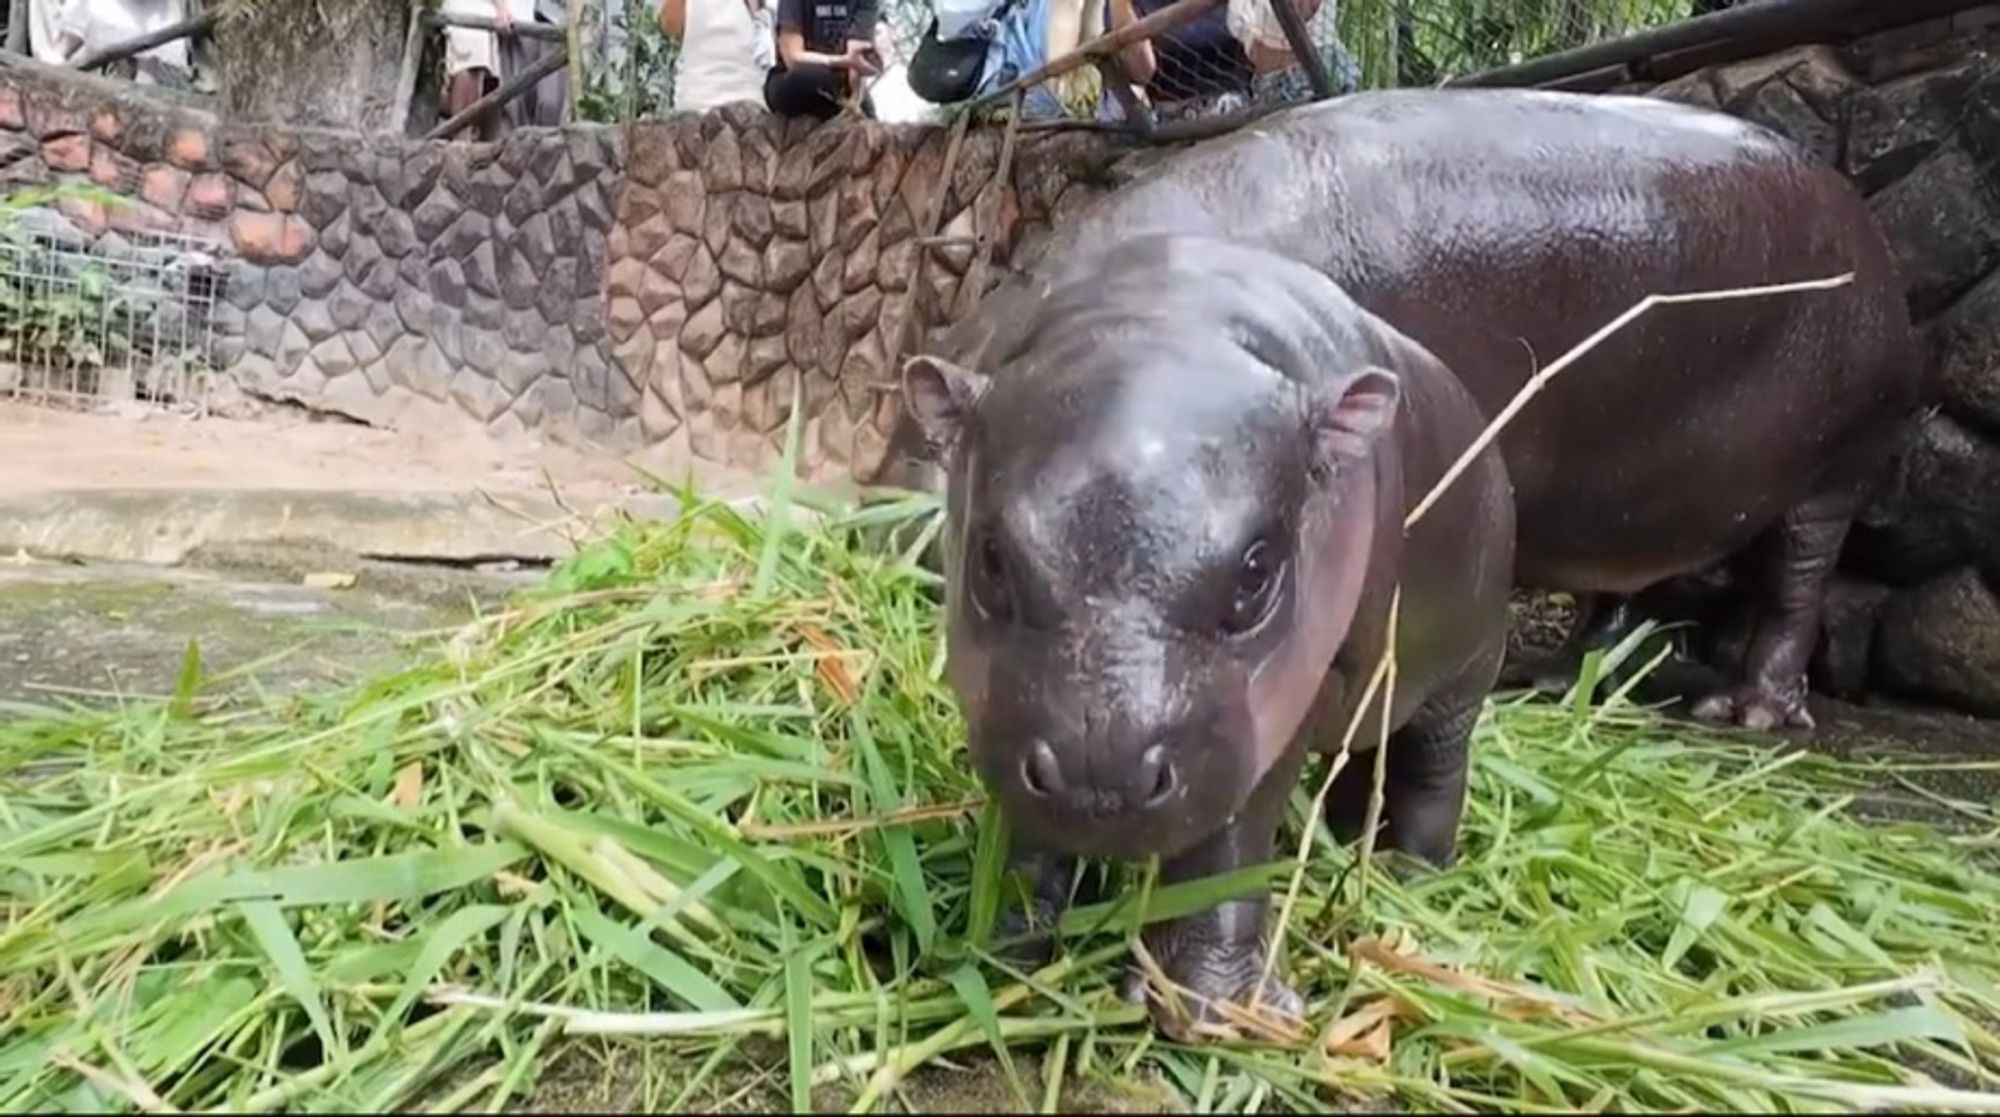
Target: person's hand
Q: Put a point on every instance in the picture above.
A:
(860, 58)
(503, 16)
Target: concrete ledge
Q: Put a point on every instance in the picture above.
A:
(164, 527)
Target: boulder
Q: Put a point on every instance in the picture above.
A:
(1940, 642)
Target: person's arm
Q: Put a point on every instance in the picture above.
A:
(673, 19)
(792, 40)
(1138, 59)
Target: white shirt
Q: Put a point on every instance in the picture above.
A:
(725, 51)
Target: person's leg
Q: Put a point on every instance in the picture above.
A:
(470, 63)
(804, 91)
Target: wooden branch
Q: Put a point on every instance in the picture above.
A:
(119, 52)
(1294, 27)
(515, 86)
(406, 78)
(527, 29)
(1104, 46)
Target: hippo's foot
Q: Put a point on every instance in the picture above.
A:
(1026, 939)
(1215, 976)
(1024, 932)
(1757, 708)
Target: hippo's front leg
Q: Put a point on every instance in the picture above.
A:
(1219, 955)
(1024, 934)
(1424, 780)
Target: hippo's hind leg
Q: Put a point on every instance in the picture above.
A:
(1797, 559)
(1219, 956)
(1423, 786)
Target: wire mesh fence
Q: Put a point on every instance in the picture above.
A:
(121, 317)
(1233, 56)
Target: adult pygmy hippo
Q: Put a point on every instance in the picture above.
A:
(1175, 497)
(1500, 228)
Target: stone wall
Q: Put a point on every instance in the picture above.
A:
(664, 287)
(674, 287)
(1913, 116)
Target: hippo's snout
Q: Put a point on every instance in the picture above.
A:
(1147, 785)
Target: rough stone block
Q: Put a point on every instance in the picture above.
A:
(523, 333)
(325, 198)
(210, 197)
(702, 280)
(271, 237)
(382, 326)
(1896, 126)
(477, 395)
(248, 161)
(1941, 642)
(111, 170)
(67, 153)
(1944, 223)
(861, 261)
(188, 149)
(1968, 344)
(518, 280)
(741, 262)
(1940, 509)
(12, 118)
(434, 216)
(786, 265)
(472, 231)
(347, 307)
(286, 188)
(337, 237)
(556, 297)
(723, 169)
(1843, 660)
(1779, 106)
(703, 330)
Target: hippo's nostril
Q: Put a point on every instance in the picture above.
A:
(1041, 773)
(1156, 776)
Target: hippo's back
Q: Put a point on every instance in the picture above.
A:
(1501, 228)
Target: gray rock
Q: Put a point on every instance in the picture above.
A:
(315, 318)
(523, 333)
(1968, 345)
(536, 243)
(413, 307)
(319, 275)
(262, 329)
(518, 278)
(1783, 109)
(348, 307)
(1941, 642)
(472, 230)
(433, 218)
(325, 198)
(1895, 126)
(384, 325)
(245, 287)
(283, 288)
(447, 283)
(481, 275)
(1842, 661)
(1944, 223)
(1941, 508)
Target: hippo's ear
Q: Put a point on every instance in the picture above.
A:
(1349, 416)
(939, 396)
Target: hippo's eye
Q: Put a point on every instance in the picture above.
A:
(989, 578)
(1256, 588)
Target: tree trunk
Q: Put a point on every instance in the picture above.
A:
(315, 63)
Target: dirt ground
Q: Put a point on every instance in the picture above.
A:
(48, 448)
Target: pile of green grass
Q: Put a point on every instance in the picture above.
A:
(696, 811)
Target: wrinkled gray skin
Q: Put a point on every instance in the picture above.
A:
(1175, 498)
(1499, 228)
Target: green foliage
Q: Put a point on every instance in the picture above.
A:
(1422, 42)
(696, 812)
(636, 83)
